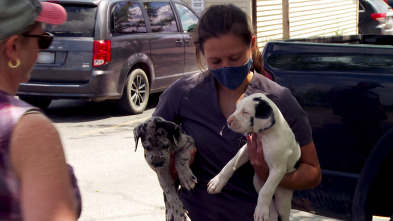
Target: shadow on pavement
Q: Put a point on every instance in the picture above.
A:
(61, 111)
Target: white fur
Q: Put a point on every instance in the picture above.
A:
(281, 152)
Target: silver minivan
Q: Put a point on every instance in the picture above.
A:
(120, 50)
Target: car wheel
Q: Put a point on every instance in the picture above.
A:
(40, 102)
(136, 93)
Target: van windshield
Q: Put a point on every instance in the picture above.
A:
(80, 22)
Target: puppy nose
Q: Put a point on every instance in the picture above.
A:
(156, 164)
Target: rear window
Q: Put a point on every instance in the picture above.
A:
(80, 22)
(380, 6)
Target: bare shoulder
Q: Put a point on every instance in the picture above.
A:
(35, 137)
(38, 160)
(35, 132)
(35, 122)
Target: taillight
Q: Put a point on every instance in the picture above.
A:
(385, 1)
(101, 52)
(378, 16)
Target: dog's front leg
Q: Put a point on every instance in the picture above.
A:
(169, 187)
(182, 162)
(216, 184)
(283, 202)
(276, 173)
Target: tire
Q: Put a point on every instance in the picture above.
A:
(374, 180)
(40, 102)
(135, 93)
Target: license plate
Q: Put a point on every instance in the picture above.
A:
(46, 58)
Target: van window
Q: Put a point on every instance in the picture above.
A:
(187, 17)
(80, 22)
(161, 16)
(127, 18)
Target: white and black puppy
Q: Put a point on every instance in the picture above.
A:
(160, 138)
(257, 113)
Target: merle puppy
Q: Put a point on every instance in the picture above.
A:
(257, 113)
(160, 139)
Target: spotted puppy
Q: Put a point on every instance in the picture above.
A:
(257, 113)
(160, 138)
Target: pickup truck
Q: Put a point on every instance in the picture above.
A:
(345, 84)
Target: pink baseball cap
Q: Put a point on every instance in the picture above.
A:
(52, 13)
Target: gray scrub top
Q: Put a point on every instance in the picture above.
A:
(192, 102)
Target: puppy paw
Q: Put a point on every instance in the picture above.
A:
(188, 181)
(176, 213)
(169, 214)
(261, 213)
(216, 184)
(180, 215)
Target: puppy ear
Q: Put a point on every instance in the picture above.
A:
(264, 116)
(137, 134)
(177, 135)
(170, 127)
(262, 108)
(181, 139)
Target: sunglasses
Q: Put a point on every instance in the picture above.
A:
(44, 40)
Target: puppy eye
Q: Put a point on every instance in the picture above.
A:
(244, 112)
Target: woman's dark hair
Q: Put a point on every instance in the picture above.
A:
(220, 20)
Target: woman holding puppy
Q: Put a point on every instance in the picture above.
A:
(226, 48)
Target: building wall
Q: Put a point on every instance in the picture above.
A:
(302, 18)
(306, 18)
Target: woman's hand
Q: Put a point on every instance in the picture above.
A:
(174, 174)
(257, 160)
(308, 175)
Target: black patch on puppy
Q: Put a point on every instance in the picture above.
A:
(297, 165)
(252, 121)
(262, 108)
(167, 127)
(174, 131)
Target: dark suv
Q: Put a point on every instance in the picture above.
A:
(119, 50)
(375, 17)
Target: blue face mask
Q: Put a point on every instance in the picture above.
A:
(232, 77)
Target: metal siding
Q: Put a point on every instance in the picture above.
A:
(322, 17)
(306, 18)
(269, 21)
